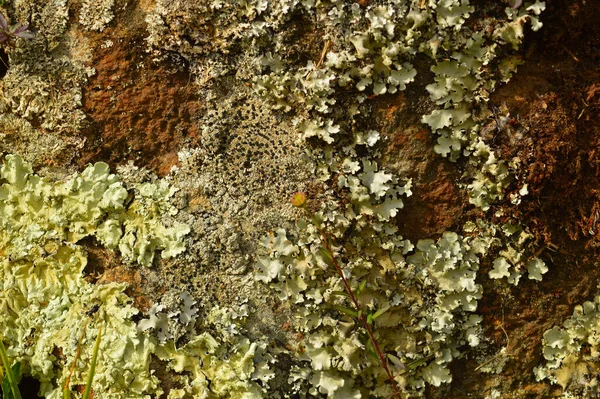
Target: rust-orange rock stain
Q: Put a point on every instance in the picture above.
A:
(139, 111)
(437, 204)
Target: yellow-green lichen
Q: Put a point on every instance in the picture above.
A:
(43, 305)
(46, 303)
(36, 210)
(45, 299)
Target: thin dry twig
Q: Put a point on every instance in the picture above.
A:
(361, 315)
(299, 201)
(77, 353)
(326, 48)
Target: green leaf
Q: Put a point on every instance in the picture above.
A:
(381, 311)
(16, 368)
(361, 287)
(396, 360)
(413, 365)
(327, 258)
(345, 310)
(371, 352)
(6, 393)
(6, 388)
(90, 379)
(12, 386)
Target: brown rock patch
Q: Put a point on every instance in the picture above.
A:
(437, 203)
(139, 111)
(104, 266)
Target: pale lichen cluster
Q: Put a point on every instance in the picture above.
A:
(571, 352)
(44, 298)
(44, 83)
(429, 293)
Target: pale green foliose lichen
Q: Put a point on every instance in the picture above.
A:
(221, 364)
(571, 351)
(429, 292)
(46, 304)
(44, 297)
(36, 210)
(43, 303)
(516, 252)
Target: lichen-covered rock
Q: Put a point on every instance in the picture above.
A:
(238, 105)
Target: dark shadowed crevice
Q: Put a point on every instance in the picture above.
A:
(29, 388)
(4, 64)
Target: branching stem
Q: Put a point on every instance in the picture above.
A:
(361, 315)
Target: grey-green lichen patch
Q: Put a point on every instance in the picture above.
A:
(47, 90)
(44, 81)
(572, 351)
(361, 49)
(172, 319)
(429, 291)
(50, 19)
(96, 14)
(43, 149)
(237, 183)
(514, 251)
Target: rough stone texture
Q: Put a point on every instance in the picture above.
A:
(138, 111)
(554, 104)
(437, 203)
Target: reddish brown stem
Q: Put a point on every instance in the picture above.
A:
(361, 315)
(77, 353)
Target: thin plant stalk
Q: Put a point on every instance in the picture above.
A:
(361, 315)
(88, 385)
(299, 201)
(66, 388)
(12, 379)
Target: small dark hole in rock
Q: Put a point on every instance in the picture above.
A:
(29, 388)
(3, 63)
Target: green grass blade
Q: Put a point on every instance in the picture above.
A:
(12, 379)
(347, 311)
(88, 385)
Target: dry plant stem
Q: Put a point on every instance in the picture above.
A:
(361, 316)
(90, 379)
(66, 390)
